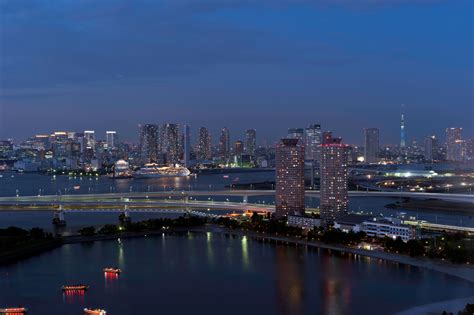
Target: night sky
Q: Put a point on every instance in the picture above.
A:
(268, 65)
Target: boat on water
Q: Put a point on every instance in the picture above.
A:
(79, 287)
(13, 310)
(95, 311)
(153, 170)
(112, 270)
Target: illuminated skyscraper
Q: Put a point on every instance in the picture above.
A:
(250, 142)
(470, 150)
(431, 148)
(204, 147)
(89, 139)
(371, 145)
(454, 144)
(296, 133)
(186, 145)
(313, 140)
(224, 144)
(170, 143)
(289, 178)
(112, 139)
(238, 148)
(149, 143)
(334, 175)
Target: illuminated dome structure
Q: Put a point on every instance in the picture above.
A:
(121, 166)
(122, 169)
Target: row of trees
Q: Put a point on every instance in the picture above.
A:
(458, 248)
(468, 310)
(14, 237)
(147, 225)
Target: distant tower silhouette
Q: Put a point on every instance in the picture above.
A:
(402, 131)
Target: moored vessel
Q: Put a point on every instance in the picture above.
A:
(79, 287)
(112, 270)
(156, 171)
(96, 311)
(13, 310)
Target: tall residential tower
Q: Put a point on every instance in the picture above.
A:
(334, 176)
(289, 178)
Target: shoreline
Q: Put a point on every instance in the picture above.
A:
(465, 272)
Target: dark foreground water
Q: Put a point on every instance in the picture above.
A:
(199, 273)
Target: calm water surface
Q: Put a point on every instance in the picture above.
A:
(208, 273)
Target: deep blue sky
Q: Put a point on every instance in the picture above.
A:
(269, 65)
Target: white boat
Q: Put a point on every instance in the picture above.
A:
(156, 171)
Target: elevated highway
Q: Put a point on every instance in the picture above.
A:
(230, 193)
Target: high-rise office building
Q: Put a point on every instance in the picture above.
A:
(186, 145)
(250, 142)
(204, 147)
(112, 139)
(459, 151)
(334, 176)
(296, 133)
(238, 148)
(170, 143)
(313, 140)
(224, 144)
(371, 145)
(89, 139)
(470, 150)
(431, 148)
(454, 144)
(289, 178)
(149, 143)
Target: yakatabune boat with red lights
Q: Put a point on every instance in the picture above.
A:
(112, 270)
(96, 311)
(13, 310)
(80, 287)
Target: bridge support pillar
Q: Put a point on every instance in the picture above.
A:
(124, 217)
(186, 199)
(58, 217)
(245, 199)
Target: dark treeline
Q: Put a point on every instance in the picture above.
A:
(13, 237)
(143, 226)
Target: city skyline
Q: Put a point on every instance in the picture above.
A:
(241, 134)
(313, 63)
(316, 154)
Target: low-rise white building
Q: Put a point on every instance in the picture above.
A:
(351, 222)
(387, 227)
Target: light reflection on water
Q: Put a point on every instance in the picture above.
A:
(184, 273)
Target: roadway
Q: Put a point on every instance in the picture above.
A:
(241, 193)
(122, 205)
